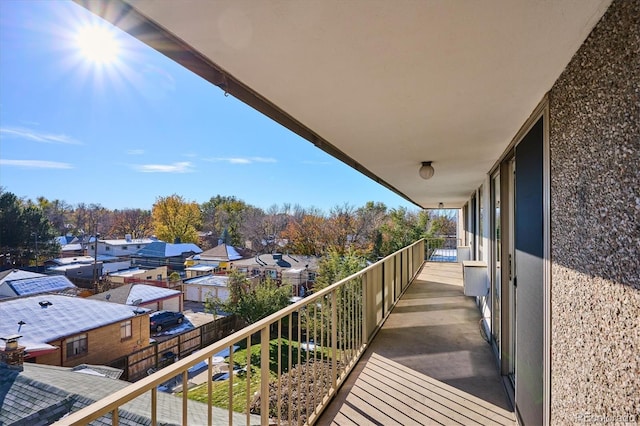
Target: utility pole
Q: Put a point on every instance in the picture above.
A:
(35, 240)
(95, 260)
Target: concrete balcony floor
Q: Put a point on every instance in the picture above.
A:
(427, 365)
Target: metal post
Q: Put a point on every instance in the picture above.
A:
(95, 260)
(35, 240)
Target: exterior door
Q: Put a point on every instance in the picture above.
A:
(529, 278)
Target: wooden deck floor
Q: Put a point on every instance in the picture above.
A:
(427, 365)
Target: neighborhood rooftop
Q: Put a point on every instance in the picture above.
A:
(129, 293)
(46, 318)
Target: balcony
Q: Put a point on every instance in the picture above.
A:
(428, 364)
(396, 342)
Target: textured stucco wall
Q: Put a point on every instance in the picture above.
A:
(595, 225)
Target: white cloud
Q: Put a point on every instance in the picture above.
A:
(37, 136)
(135, 151)
(242, 160)
(182, 167)
(36, 164)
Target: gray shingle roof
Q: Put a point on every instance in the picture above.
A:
(42, 394)
(127, 293)
(65, 316)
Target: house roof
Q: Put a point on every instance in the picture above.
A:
(127, 272)
(209, 280)
(47, 318)
(42, 394)
(37, 285)
(72, 260)
(17, 274)
(160, 249)
(283, 261)
(129, 293)
(72, 247)
(125, 242)
(221, 252)
(203, 267)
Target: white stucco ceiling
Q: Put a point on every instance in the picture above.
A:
(394, 83)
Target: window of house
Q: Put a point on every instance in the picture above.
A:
(138, 247)
(271, 273)
(107, 248)
(125, 247)
(311, 276)
(125, 330)
(255, 272)
(77, 345)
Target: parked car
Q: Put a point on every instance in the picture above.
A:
(160, 320)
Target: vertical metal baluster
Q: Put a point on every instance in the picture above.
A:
(264, 375)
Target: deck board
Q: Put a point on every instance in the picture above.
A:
(428, 364)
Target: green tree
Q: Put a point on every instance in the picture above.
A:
(251, 301)
(26, 235)
(222, 213)
(335, 266)
(174, 218)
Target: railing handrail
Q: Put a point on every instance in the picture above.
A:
(146, 384)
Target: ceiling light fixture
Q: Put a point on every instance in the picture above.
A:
(426, 171)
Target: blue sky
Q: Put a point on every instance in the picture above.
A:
(124, 132)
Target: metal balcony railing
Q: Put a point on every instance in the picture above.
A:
(291, 363)
(442, 249)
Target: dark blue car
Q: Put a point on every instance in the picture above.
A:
(161, 320)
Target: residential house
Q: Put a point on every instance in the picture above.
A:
(199, 288)
(523, 115)
(70, 246)
(157, 275)
(296, 270)
(220, 257)
(82, 269)
(143, 295)
(67, 331)
(123, 247)
(159, 253)
(18, 283)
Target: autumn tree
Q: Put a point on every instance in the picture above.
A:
(307, 235)
(174, 218)
(136, 222)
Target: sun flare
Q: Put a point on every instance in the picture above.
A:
(98, 44)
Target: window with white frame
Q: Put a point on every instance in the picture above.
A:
(77, 345)
(125, 330)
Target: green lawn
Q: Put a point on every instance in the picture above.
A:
(220, 391)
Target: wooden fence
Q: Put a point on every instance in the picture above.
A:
(145, 361)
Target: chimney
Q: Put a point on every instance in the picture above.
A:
(12, 356)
